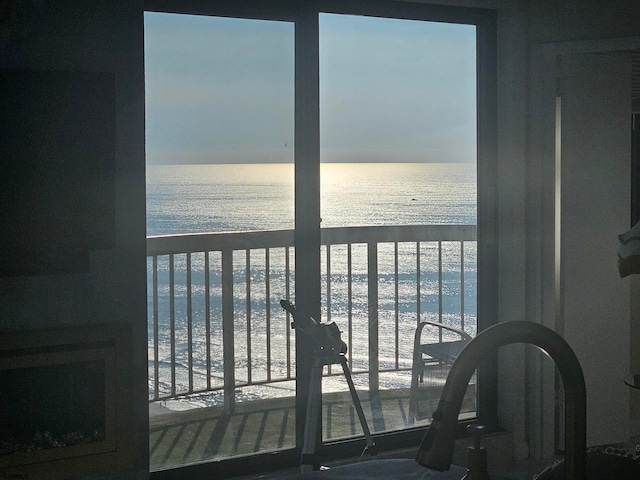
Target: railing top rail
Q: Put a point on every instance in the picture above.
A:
(218, 241)
(210, 242)
(397, 233)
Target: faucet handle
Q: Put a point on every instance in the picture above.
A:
(476, 431)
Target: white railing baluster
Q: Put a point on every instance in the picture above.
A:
(267, 303)
(172, 321)
(228, 345)
(247, 276)
(287, 287)
(328, 290)
(328, 250)
(396, 302)
(462, 285)
(418, 289)
(372, 289)
(350, 301)
(156, 331)
(207, 316)
(189, 324)
(440, 289)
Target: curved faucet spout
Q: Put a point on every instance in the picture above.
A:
(436, 448)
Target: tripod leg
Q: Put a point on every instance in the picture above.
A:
(371, 446)
(312, 418)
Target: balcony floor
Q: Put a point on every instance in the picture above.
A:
(184, 437)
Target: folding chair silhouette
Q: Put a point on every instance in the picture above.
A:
(435, 348)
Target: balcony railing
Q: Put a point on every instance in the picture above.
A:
(215, 323)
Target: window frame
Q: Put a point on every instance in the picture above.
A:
(305, 16)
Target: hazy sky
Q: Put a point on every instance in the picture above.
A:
(221, 90)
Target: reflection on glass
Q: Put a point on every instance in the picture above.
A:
(219, 134)
(398, 149)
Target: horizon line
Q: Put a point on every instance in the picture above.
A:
(322, 162)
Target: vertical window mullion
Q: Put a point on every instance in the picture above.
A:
(307, 196)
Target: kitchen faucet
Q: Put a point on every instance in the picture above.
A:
(436, 448)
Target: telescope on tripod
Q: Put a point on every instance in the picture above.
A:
(327, 349)
(325, 336)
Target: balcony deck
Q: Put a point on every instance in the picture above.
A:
(183, 437)
(190, 436)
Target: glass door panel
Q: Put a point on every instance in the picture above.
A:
(398, 206)
(219, 139)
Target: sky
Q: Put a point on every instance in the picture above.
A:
(221, 90)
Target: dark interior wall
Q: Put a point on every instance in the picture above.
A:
(73, 184)
(570, 20)
(582, 24)
(59, 172)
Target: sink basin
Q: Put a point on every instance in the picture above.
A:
(392, 469)
(387, 469)
(600, 466)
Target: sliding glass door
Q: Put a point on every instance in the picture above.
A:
(398, 198)
(220, 142)
(329, 156)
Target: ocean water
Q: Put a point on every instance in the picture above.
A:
(221, 198)
(218, 198)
